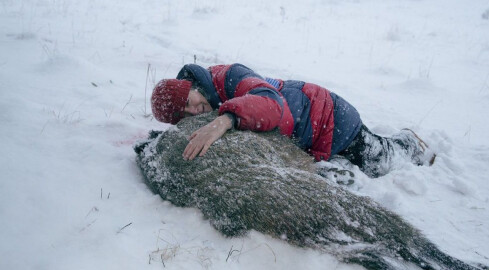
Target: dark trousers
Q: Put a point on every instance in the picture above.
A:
(376, 155)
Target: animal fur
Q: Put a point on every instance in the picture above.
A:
(264, 182)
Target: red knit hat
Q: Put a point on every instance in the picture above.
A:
(168, 100)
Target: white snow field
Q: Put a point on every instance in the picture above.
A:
(75, 81)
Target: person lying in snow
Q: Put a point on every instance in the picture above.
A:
(318, 120)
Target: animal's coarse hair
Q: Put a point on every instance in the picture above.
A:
(262, 181)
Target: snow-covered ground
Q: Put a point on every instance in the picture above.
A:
(75, 81)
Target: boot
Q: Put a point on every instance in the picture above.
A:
(421, 154)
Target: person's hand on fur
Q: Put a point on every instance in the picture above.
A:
(204, 137)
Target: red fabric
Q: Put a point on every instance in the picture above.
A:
(255, 113)
(250, 83)
(286, 125)
(322, 120)
(168, 100)
(218, 74)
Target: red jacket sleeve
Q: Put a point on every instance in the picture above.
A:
(257, 113)
(257, 105)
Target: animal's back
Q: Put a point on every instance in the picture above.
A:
(264, 182)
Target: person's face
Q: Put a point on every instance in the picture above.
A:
(196, 104)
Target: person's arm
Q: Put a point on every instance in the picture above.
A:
(203, 138)
(256, 104)
(252, 103)
(258, 110)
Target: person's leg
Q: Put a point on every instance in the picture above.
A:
(415, 147)
(370, 152)
(375, 155)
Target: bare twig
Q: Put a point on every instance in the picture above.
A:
(274, 256)
(86, 227)
(124, 227)
(146, 87)
(467, 133)
(484, 84)
(455, 226)
(231, 250)
(428, 113)
(43, 127)
(94, 209)
(429, 67)
(485, 257)
(129, 101)
(110, 112)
